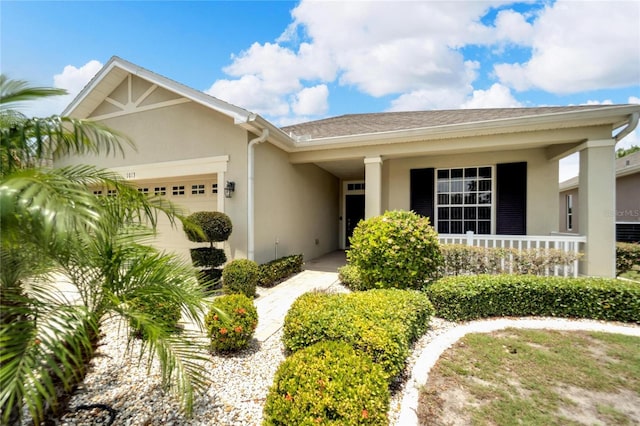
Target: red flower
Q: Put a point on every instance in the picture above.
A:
(215, 317)
(241, 311)
(365, 414)
(288, 397)
(223, 330)
(238, 329)
(37, 341)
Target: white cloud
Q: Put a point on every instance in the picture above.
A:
(71, 79)
(579, 46)
(311, 101)
(497, 96)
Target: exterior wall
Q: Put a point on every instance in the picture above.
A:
(296, 206)
(184, 132)
(542, 174)
(563, 211)
(628, 199)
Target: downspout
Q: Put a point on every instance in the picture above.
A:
(250, 198)
(633, 122)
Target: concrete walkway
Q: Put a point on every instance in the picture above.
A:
(273, 303)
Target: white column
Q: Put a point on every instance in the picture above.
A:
(372, 186)
(596, 209)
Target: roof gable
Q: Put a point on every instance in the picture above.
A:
(121, 83)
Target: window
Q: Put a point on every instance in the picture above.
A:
(177, 190)
(144, 191)
(464, 200)
(98, 192)
(197, 189)
(355, 186)
(569, 212)
(160, 190)
(214, 188)
(112, 193)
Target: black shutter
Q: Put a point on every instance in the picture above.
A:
(511, 199)
(422, 192)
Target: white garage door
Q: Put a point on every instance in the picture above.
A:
(191, 193)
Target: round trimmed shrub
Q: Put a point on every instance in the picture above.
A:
(216, 226)
(399, 249)
(231, 322)
(208, 257)
(329, 384)
(163, 313)
(240, 276)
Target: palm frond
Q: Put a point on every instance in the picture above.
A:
(13, 92)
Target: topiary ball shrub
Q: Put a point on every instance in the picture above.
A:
(216, 226)
(163, 313)
(328, 384)
(208, 257)
(396, 250)
(231, 322)
(240, 276)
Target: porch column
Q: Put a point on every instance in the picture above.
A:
(372, 187)
(596, 209)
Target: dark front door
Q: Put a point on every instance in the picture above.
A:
(354, 213)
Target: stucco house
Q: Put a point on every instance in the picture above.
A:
(627, 207)
(302, 188)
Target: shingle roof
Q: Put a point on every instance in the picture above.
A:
(357, 124)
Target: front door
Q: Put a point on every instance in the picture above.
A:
(354, 207)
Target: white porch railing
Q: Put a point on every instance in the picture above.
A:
(565, 243)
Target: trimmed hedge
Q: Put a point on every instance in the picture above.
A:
(273, 272)
(627, 256)
(399, 249)
(349, 276)
(231, 322)
(472, 297)
(240, 276)
(379, 323)
(460, 259)
(328, 384)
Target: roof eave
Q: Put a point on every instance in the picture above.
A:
(614, 116)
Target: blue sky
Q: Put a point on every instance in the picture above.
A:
(300, 61)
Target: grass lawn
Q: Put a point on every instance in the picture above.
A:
(535, 377)
(633, 274)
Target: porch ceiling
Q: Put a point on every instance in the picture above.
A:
(346, 169)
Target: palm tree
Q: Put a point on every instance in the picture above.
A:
(53, 225)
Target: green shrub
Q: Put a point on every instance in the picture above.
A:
(216, 226)
(240, 276)
(627, 256)
(209, 257)
(327, 384)
(232, 329)
(398, 249)
(164, 313)
(349, 276)
(459, 259)
(380, 323)
(481, 296)
(273, 272)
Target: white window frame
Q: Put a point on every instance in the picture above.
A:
(492, 205)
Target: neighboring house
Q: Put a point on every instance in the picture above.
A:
(302, 188)
(627, 194)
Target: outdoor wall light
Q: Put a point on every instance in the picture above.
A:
(229, 189)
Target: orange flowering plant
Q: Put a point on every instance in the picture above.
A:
(231, 322)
